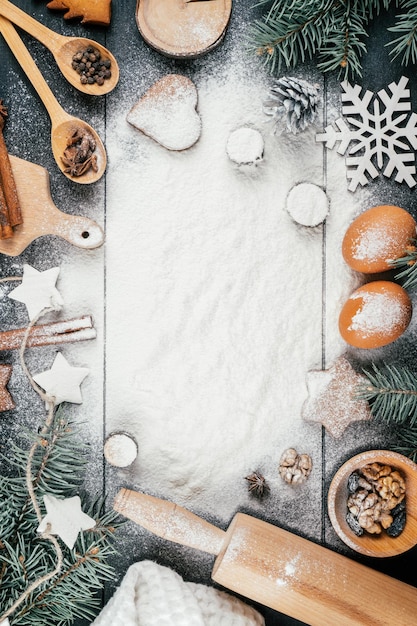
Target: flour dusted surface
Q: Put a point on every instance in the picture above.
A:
(214, 301)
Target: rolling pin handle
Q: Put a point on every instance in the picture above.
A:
(169, 521)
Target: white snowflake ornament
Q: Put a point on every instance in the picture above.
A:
(62, 382)
(381, 138)
(65, 519)
(37, 290)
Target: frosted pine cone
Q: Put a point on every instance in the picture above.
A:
(293, 102)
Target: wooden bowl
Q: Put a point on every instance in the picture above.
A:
(381, 545)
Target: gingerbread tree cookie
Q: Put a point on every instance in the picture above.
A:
(91, 11)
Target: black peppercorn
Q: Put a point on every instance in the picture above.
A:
(91, 66)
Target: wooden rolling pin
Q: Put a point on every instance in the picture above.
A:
(279, 569)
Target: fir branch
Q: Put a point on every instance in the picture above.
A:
(409, 264)
(58, 463)
(40, 581)
(344, 47)
(84, 568)
(392, 394)
(292, 31)
(407, 443)
(406, 24)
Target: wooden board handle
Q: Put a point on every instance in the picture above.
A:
(169, 521)
(42, 217)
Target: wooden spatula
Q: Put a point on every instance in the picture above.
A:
(42, 217)
(279, 569)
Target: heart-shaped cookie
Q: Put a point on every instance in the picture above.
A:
(167, 113)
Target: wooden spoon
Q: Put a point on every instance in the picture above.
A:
(63, 48)
(63, 125)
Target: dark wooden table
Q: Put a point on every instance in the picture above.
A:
(27, 136)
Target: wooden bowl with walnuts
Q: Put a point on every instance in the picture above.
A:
(372, 503)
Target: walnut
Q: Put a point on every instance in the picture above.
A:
(376, 492)
(373, 471)
(370, 501)
(385, 520)
(294, 468)
(364, 484)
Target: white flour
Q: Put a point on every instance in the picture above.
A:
(214, 297)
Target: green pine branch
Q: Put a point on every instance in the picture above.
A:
(71, 594)
(407, 442)
(334, 31)
(408, 263)
(405, 45)
(57, 469)
(292, 31)
(392, 394)
(344, 46)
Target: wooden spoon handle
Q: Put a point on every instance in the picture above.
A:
(169, 521)
(15, 43)
(45, 35)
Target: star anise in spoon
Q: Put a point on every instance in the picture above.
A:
(78, 156)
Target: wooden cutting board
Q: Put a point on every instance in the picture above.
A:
(41, 216)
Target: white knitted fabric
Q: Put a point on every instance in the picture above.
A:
(154, 595)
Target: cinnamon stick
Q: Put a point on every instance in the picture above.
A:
(77, 329)
(7, 180)
(6, 231)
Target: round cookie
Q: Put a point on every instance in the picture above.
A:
(307, 204)
(245, 146)
(120, 449)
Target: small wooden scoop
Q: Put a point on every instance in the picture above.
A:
(183, 28)
(42, 217)
(279, 569)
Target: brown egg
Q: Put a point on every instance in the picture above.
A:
(375, 314)
(379, 235)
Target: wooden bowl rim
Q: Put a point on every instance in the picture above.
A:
(371, 545)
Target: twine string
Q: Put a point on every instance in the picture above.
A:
(50, 403)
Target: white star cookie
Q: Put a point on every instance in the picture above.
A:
(37, 290)
(65, 519)
(62, 382)
(332, 399)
